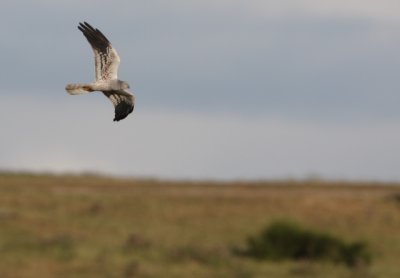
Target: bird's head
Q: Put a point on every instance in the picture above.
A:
(124, 85)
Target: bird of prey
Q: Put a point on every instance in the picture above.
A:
(106, 68)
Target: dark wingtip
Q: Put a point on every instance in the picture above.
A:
(93, 34)
(86, 26)
(122, 110)
(81, 25)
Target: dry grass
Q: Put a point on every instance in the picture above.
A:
(89, 226)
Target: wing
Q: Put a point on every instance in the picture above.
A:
(123, 101)
(105, 56)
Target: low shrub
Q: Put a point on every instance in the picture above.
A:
(286, 240)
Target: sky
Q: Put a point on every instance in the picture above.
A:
(252, 89)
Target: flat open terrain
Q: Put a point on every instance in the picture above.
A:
(88, 226)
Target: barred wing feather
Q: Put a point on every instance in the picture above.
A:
(105, 56)
(123, 102)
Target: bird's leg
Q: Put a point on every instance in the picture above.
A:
(88, 88)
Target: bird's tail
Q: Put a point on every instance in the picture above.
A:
(78, 89)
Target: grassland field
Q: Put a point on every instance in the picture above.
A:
(94, 226)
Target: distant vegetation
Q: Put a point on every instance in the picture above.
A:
(96, 226)
(287, 240)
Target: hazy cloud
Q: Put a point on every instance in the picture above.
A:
(224, 88)
(80, 136)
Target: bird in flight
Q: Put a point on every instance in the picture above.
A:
(106, 68)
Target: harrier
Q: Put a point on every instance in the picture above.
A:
(106, 67)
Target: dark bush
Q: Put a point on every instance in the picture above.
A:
(286, 240)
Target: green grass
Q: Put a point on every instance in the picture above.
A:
(90, 226)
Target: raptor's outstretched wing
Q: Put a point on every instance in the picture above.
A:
(105, 56)
(123, 102)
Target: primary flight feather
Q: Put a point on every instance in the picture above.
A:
(106, 68)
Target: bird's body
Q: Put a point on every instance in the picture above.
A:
(106, 69)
